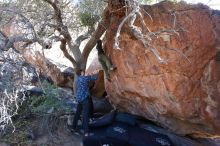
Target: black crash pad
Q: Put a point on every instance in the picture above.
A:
(98, 137)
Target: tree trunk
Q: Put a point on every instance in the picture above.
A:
(102, 27)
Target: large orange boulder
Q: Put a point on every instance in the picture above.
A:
(98, 89)
(182, 95)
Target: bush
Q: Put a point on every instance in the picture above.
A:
(50, 102)
(87, 19)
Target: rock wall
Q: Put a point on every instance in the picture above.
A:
(182, 95)
(49, 69)
(43, 65)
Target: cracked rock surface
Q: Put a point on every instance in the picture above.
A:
(182, 95)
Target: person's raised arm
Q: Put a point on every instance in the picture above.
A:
(92, 77)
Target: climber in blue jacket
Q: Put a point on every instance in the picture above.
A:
(83, 96)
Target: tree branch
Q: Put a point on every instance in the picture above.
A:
(64, 31)
(66, 54)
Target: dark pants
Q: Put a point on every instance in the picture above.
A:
(86, 106)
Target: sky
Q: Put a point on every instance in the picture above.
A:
(214, 4)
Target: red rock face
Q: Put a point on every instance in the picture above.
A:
(99, 87)
(44, 66)
(182, 95)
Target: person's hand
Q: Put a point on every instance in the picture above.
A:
(95, 71)
(86, 134)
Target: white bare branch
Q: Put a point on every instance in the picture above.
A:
(9, 105)
(143, 33)
(12, 79)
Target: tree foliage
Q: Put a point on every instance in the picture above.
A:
(90, 11)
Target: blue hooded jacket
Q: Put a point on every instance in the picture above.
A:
(82, 87)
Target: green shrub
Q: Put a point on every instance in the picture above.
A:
(87, 19)
(50, 102)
